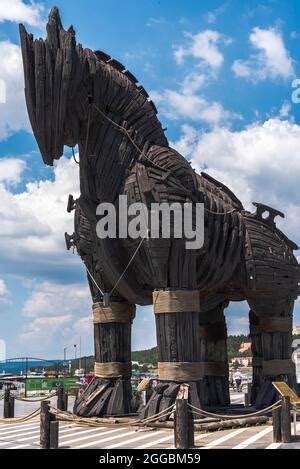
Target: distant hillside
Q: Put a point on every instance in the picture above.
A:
(145, 356)
(150, 355)
(233, 345)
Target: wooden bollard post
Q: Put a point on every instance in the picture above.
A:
(65, 401)
(249, 391)
(183, 424)
(247, 401)
(276, 418)
(12, 406)
(45, 425)
(9, 405)
(60, 398)
(286, 435)
(54, 430)
(6, 407)
(191, 429)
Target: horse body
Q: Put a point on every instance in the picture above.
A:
(77, 96)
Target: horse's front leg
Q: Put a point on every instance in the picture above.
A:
(179, 354)
(110, 391)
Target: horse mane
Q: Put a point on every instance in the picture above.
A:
(126, 79)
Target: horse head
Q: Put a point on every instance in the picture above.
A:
(62, 79)
(49, 67)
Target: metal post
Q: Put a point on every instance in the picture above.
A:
(286, 419)
(79, 353)
(26, 373)
(246, 399)
(295, 422)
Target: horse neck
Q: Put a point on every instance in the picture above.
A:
(107, 153)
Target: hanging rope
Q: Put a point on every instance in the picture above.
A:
(24, 399)
(126, 268)
(74, 157)
(33, 414)
(142, 153)
(98, 422)
(94, 281)
(123, 273)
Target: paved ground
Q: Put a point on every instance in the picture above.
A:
(26, 435)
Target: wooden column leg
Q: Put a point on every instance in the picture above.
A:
(109, 395)
(213, 339)
(271, 335)
(177, 341)
(257, 354)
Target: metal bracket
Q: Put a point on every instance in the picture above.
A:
(272, 213)
(71, 204)
(70, 240)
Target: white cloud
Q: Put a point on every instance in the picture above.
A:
(238, 325)
(18, 11)
(11, 170)
(189, 101)
(152, 21)
(210, 17)
(3, 290)
(58, 315)
(5, 297)
(143, 329)
(52, 299)
(203, 47)
(13, 114)
(285, 109)
(181, 104)
(259, 163)
(271, 60)
(33, 222)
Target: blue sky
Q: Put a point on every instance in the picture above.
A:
(220, 73)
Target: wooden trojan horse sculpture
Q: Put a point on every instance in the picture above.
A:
(81, 97)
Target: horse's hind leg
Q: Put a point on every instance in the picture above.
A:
(213, 343)
(191, 350)
(271, 336)
(110, 391)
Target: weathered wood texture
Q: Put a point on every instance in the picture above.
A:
(276, 421)
(79, 96)
(108, 396)
(45, 419)
(286, 431)
(8, 405)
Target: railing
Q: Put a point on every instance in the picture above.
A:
(182, 412)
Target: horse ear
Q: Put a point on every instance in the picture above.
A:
(54, 28)
(48, 69)
(56, 34)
